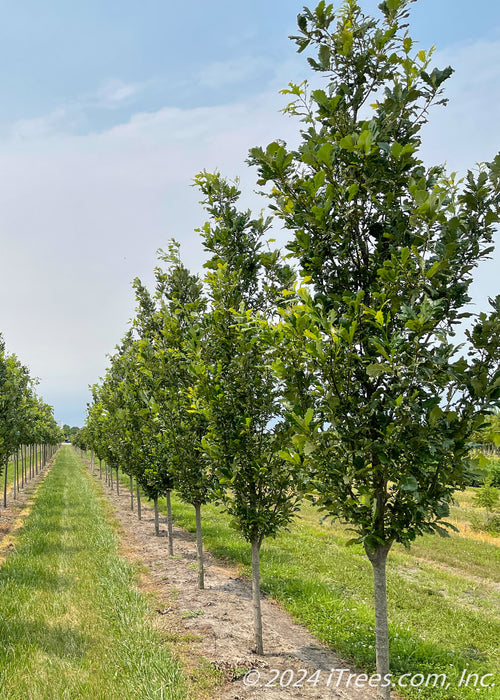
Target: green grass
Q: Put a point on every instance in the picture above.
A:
(443, 603)
(72, 623)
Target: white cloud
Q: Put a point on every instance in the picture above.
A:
(46, 126)
(73, 115)
(113, 94)
(236, 71)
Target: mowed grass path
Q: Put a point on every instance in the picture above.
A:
(72, 623)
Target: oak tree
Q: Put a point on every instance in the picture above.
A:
(383, 397)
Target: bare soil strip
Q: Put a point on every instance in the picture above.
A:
(216, 622)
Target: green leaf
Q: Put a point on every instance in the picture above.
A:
(324, 57)
(435, 415)
(407, 44)
(309, 415)
(376, 369)
(353, 191)
(408, 483)
(433, 269)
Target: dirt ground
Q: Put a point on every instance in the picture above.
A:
(217, 621)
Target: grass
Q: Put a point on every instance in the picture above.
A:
(444, 598)
(73, 624)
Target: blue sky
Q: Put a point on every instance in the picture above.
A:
(109, 109)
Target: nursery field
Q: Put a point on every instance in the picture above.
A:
(444, 596)
(74, 623)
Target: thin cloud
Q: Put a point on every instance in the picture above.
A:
(113, 94)
(74, 116)
(221, 74)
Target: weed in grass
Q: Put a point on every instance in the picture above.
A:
(205, 679)
(176, 638)
(187, 614)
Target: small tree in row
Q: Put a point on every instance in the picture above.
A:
(237, 391)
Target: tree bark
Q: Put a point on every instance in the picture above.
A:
(100, 468)
(139, 512)
(16, 467)
(117, 483)
(169, 526)
(131, 493)
(157, 518)
(5, 483)
(199, 546)
(257, 613)
(378, 559)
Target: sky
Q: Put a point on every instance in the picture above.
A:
(108, 111)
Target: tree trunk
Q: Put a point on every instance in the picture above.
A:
(157, 518)
(139, 512)
(5, 483)
(117, 483)
(169, 526)
(16, 465)
(199, 546)
(100, 468)
(378, 559)
(131, 493)
(111, 477)
(257, 614)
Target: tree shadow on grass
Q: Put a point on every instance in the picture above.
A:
(53, 549)
(12, 576)
(53, 640)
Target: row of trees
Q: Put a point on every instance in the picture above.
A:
(333, 373)
(28, 431)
